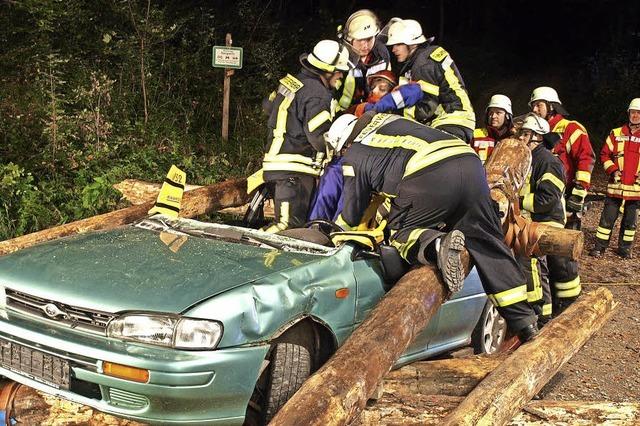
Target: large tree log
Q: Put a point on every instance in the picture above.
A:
(337, 392)
(139, 191)
(419, 409)
(446, 377)
(199, 201)
(510, 386)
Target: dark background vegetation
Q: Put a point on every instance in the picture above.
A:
(93, 92)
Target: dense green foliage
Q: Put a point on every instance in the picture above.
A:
(93, 92)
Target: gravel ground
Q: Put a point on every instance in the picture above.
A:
(608, 366)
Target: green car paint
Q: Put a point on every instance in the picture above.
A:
(255, 284)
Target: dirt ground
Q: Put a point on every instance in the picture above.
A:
(608, 366)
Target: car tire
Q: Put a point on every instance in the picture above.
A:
(290, 366)
(490, 331)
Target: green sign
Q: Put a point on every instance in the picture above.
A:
(227, 57)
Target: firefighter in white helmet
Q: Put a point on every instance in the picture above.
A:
(577, 156)
(541, 199)
(300, 113)
(621, 160)
(367, 54)
(445, 103)
(498, 122)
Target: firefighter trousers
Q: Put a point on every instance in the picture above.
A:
(536, 271)
(454, 194)
(608, 219)
(291, 198)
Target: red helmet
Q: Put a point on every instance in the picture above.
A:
(385, 75)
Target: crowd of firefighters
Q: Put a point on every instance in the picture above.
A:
(354, 126)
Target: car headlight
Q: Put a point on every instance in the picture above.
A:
(164, 330)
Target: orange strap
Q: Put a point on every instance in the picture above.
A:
(521, 234)
(7, 395)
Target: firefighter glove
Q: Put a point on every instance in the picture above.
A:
(575, 202)
(616, 176)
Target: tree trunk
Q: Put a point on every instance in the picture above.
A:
(446, 377)
(199, 201)
(337, 392)
(499, 397)
(419, 409)
(138, 191)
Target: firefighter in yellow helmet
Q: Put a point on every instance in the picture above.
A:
(621, 159)
(445, 103)
(498, 125)
(300, 112)
(367, 54)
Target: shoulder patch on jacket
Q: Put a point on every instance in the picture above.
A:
(480, 133)
(439, 54)
(291, 83)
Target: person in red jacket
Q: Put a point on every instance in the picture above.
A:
(498, 125)
(620, 156)
(576, 153)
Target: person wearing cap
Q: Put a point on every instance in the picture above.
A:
(440, 206)
(367, 54)
(576, 153)
(445, 104)
(541, 198)
(620, 156)
(300, 113)
(498, 121)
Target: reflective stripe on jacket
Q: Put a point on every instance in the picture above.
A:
(543, 193)
(574, 150)
(301, 113)
(621, 152)
(387, 150)
(445, 101)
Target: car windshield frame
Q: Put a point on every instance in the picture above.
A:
(234, 234)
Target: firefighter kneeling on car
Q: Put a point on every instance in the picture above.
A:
(440, 204)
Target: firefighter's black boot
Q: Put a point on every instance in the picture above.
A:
(450, 265)
(597, 250)
(528, 333)
(560, 304)
(624, 252)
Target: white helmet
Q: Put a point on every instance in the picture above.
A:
(536, 124)
(362, 24)
(634, 104)
(500, 101)
(405, 31)
(544, 93)
(329, 56)
(339, 131)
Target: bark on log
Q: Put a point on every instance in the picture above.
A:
(560, 242)
(337, 392)
(418, 409)
(446, 377)
(199, 201)
(139, 191)
(509, 387)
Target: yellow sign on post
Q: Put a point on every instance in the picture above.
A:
(170, 196)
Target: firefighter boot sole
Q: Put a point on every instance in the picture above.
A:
(450, 261)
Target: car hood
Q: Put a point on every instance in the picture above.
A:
(133, 269)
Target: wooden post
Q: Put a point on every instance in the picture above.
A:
(225, 96)
(499, 397)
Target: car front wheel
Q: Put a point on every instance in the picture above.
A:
(489, 332)
(290, 366)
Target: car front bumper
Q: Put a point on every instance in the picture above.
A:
(194, 387)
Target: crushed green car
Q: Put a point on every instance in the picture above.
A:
(178, 321)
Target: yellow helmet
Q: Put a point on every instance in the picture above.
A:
(329, 56)
(362, 24)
